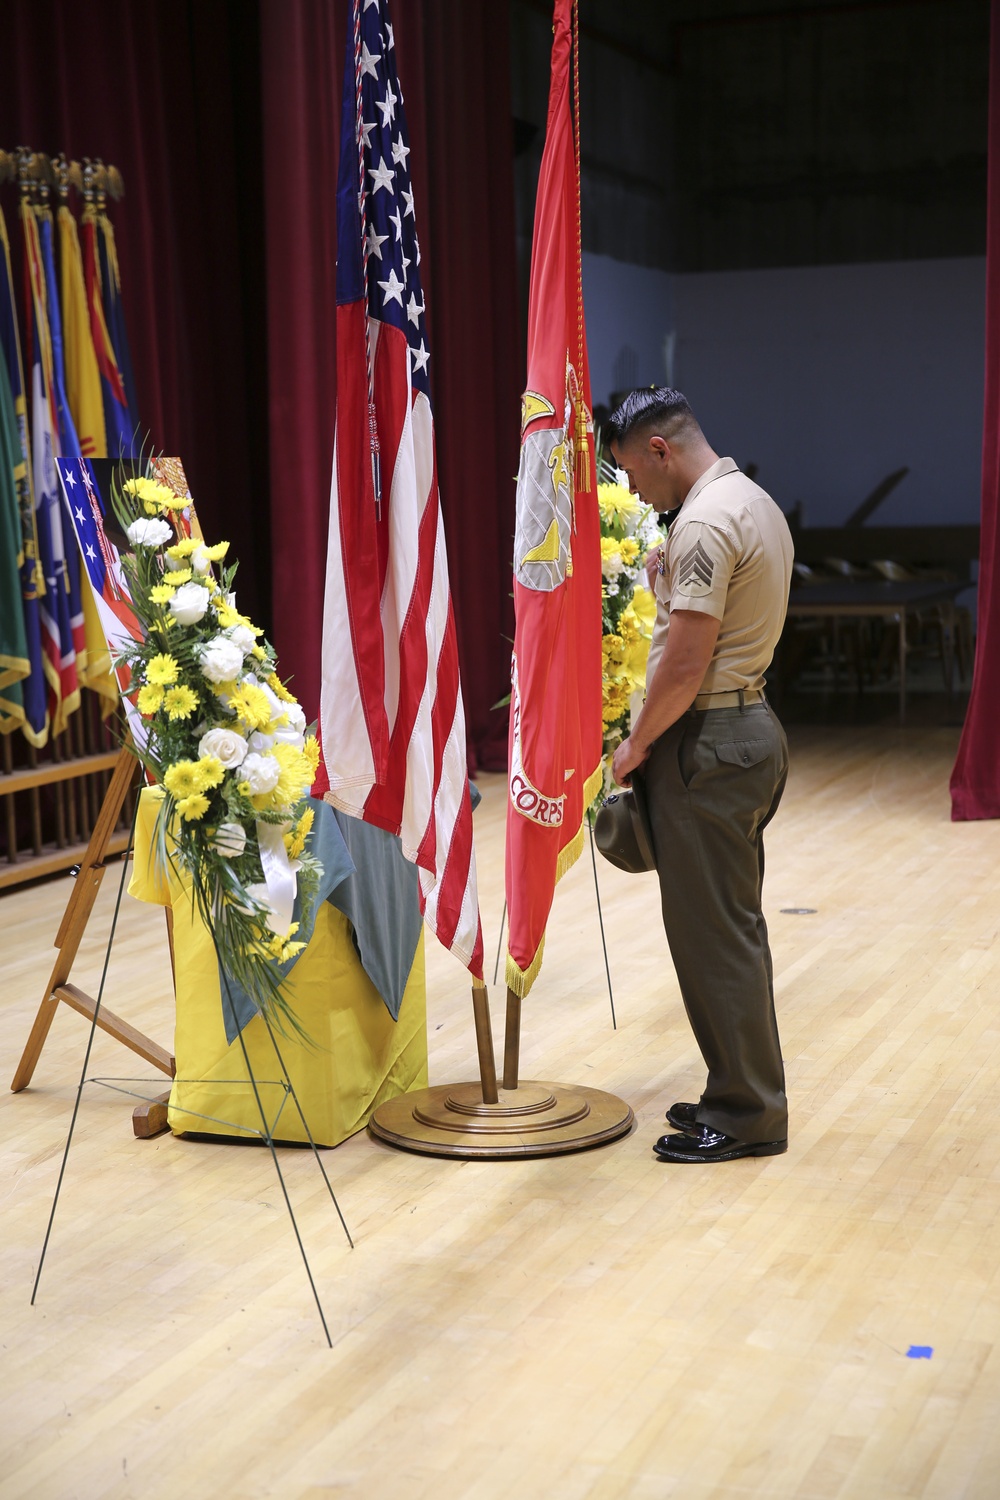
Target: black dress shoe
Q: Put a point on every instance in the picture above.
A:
(683, 1117)
(705, 1144)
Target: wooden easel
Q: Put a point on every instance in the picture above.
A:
(147, 1119)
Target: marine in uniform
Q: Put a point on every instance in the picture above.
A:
(714, 759)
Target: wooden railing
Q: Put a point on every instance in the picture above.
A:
(50, 798)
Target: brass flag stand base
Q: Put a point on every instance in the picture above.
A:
(483, 1121)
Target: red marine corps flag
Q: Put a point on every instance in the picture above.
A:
(555, 714)
(391, 717)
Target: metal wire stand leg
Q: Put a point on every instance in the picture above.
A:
(600, 918)
(305, 1126)
(86, 1056)
(269, 1138)
(496, 966)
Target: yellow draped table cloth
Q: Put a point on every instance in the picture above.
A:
(359, 1055)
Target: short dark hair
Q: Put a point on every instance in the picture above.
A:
(657, 406)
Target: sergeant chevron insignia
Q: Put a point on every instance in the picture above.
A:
(694, 576)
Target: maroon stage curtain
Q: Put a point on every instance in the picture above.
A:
(168, 90)
(302, 53)
(453, 65)
(975, 780)
(224, 117)
(477, 344)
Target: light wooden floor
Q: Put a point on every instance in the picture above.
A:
(596, 1326)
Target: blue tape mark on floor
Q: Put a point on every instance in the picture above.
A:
(919, 1351)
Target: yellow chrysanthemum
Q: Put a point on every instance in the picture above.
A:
(295, 839)
(162, 669)
(149, 699)
(259, 652)
(283, 948)
(155, 497)
(162, 593)
(628, 629)
(210, 772)
(613, 651)
(178, 576)
(616, 698)
(251, 706)
(629, 549)
(182, 779)
(311, 752)
(225, 689)
(296, 775)
(278, 688)
(294, 844)
(228, 616)
(193, 807)
(617, 505)
(183, 548)
(216, 552)
(180, 702)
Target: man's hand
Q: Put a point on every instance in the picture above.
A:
(628, 757)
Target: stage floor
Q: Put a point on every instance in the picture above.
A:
(586, 1327)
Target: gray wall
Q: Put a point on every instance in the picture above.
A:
(826, 377)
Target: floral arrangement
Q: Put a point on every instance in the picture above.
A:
(628, 531)
(226, 741)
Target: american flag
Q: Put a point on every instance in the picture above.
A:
(392, 721)
(102, 566)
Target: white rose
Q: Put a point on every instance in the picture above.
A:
(220, 658)
(189, 603)
(261, 742)
(228, 747)
(200, 564)
(262, 772)
(151, 533)
(242, 637)
(230, 840)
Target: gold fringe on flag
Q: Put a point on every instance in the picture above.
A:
(521, 980)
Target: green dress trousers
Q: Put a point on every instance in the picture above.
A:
(713, 783)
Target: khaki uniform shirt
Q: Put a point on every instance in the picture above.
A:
(729, 554)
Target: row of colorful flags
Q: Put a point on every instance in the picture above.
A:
(66, 389)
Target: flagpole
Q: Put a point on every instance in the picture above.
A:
(476, 1118)
(484, 1043)
(512, 1040)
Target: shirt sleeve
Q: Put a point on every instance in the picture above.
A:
(701, 563)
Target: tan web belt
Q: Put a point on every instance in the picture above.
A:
(736, 699)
